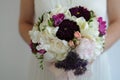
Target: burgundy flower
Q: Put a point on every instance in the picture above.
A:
(33, 47)
(34, 50)
(102, 26)
(80, 12)
(66, 30)
(58, 18)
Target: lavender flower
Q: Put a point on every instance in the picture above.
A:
(72, 62)
(58, 18)
(66, 30)
(102, 26)
(80, 12)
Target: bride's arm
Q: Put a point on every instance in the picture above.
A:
(26, 18)
(113, 32)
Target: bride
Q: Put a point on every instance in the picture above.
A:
(31, 9)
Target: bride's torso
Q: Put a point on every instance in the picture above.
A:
(98, 6)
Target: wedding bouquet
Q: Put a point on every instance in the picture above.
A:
(71, 38)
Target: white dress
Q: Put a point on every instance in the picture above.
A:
(100, 68)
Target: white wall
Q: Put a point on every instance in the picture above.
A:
(15, 54)
(114, 57)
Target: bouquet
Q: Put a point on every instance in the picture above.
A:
(71, 38)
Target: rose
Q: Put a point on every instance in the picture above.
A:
(59, 48)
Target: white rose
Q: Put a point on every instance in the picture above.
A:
(58, 47)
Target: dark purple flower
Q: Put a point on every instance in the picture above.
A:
(80, 70)
(58, 18)
(42, 51)
(33, 47)
(66, 30)
(102, 26)
(80, 12)
(72, 62)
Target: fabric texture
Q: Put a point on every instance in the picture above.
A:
(99, 69)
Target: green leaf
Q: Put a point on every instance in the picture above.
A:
(41, 57)
(50, 22)
(44, 27)
(41, 18)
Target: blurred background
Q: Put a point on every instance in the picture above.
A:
(15, 53)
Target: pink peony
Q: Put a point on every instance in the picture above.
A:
(86, 49)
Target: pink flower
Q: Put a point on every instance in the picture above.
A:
(102, 26)
(71, 43)
(58, 18)
(42, 51)
(77, 35)
(86, 49)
